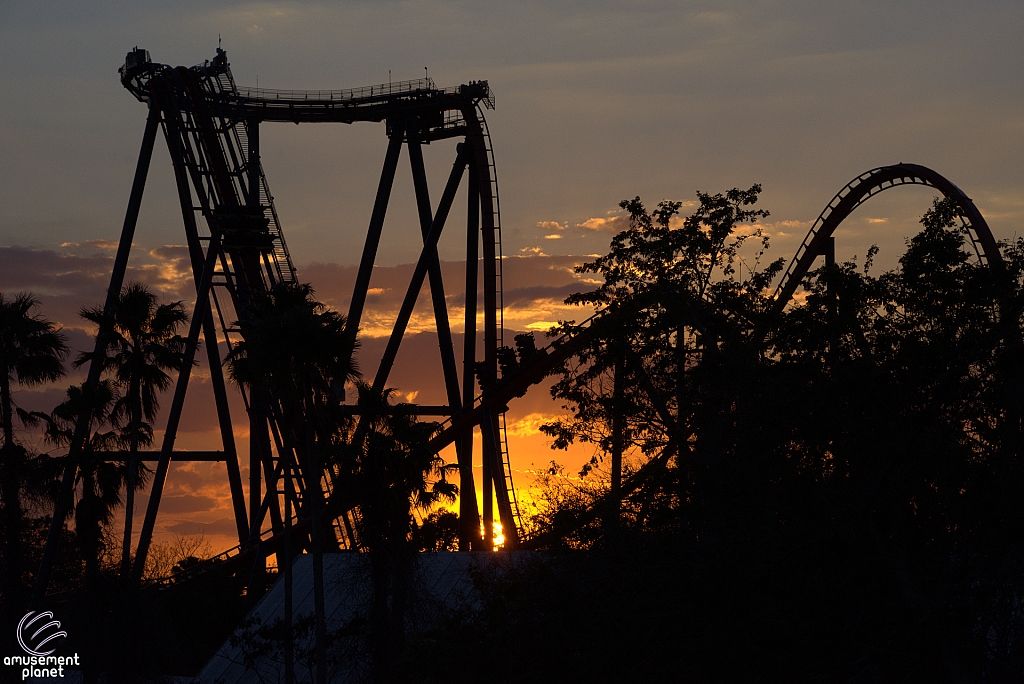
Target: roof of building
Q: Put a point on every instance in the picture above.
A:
(441, 583)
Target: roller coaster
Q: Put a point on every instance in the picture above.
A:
(237, 249)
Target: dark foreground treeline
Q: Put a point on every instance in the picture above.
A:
(828, 494)
(846, 499)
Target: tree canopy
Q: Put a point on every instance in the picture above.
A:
(841, 496)
(32, 351)
(143, 345)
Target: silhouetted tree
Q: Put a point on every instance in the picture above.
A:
(98, 480)
(673, 297)
(439, 531)
(845, 502)
(390, 468)
(144, 344)
(32, 350)
(298, 351)
(296, 346)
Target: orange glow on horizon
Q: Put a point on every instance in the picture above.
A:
(499, 536)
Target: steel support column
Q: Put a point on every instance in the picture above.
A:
(213, 356)
(380, 208)
(468, 520)
(256, 424)
(171, 432)
(492, 438)
(493, 479)
(416, 282)
(252, 132)
(444, 332)
(82, 427)
(469, 514)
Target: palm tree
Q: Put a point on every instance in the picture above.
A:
(143, 345)
(391, 470)
(32, 351)
(294, 346)
(99, 480)
(298, 351)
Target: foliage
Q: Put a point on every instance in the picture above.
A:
(439, 531)
(167, 558)
(844, 502)
(680, 286)
(560, 504)
(392, 467)
(32, 351)
(142, 344)
(298, 351)
(98, 481)
(296, 346)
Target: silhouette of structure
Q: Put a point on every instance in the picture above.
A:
(237, 248)
(817, 243)
(856, 192)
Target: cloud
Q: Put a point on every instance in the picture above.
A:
(66, 280)
(170, 252)
(196, 495)
(747, 89)
(529, 425)
(612, 224)
(535, 286)
(102, 244)
(552, 225)
(186, 503)
(555, 236)
(878, 220)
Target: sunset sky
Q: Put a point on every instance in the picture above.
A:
(596, 102)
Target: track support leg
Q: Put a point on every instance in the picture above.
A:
(82, 427)
(416, 282)
(380, 207)
(469, 515)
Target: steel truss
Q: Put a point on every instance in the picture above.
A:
(237, 251)
(212, 132)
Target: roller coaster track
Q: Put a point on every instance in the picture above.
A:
(859, 190)
(560, 349)
(851, 196)
(238, 251)
(512, 505)
(210, 115)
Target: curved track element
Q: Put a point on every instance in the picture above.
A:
(854, 194)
